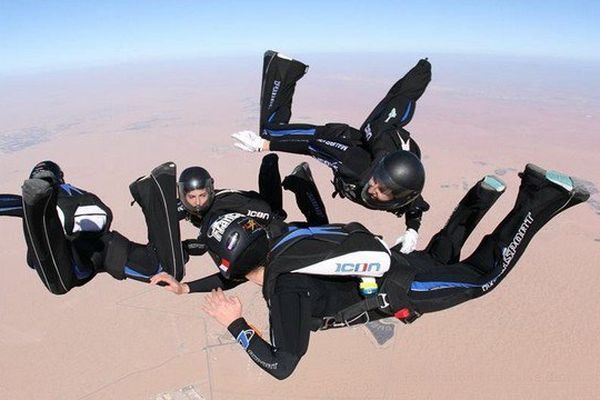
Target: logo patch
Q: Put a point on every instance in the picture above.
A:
(218, 227)
(224, 266)
(509, 252)
(276, 85)
(391, 115)
(368, 133)
(244, 338)
(250, 225)
(335, 145)
(258, 214)
(357, 267)
(232, 241)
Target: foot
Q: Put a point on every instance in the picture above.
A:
(577, 192)
(493, 183)
(166, 168)
(301, 172)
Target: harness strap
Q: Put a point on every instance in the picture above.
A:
(359, 313)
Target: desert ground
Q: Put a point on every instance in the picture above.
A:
(534, 337)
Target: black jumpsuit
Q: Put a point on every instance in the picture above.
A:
(349, 152)
(265, 207)
(439, 282)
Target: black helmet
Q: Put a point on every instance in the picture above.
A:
(239, 243)
(49, 171)
(400, 172)
(195, 178)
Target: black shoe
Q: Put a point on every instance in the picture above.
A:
(493, 183)
(302, 171)
(577, 192)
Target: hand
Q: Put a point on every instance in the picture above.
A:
(172, 285)
(225, 309)
(408, 240)
(250, 141)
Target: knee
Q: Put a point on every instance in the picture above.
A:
(125, 259)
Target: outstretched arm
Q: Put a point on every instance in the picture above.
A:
(202, 285)
(11, 205)
(290, 329)
(412, 214)
(285, 138)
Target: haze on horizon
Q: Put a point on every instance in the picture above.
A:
(38, 36)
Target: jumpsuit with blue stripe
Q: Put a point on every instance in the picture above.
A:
(440, 280)
(351, 153)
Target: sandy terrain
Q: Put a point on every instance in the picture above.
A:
(535, 337)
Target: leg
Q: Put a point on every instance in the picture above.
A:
(125, 259)
(11, 205)
(280, 75)
(48, 250)
(542, 195)
(398, 106)
(156, 195)
(309, 201)
(269, 184)
(446, 245)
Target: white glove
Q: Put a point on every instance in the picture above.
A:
(248, 141)
(408, 240)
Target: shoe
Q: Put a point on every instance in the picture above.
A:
(577, 192)
(491, 182)
(302, 171)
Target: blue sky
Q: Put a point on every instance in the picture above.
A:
(48, 35)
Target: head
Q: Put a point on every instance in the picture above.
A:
(196, 190)
(48, 171)
(396, 180)
(240, 243)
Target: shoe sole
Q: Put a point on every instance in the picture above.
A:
(557, 178)
(302, 170)
(491, 182)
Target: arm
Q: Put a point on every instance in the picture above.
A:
(290, 329)
(414, 213)
(11, 205)
(284, 139)
(212, 282)
(202, 285)
(323, 142)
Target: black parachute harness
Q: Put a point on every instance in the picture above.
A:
(358, 313)
(392, 301)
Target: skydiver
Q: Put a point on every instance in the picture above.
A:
(71, 241)
(200, 203)
(68, 235)
(415, 284)
(377, 166)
